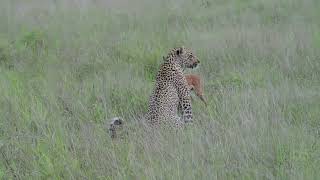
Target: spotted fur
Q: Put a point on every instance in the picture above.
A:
(171, 89)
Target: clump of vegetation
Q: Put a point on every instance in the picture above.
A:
(5, 52)
(35, 40)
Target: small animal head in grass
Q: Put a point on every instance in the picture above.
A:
(115, 124)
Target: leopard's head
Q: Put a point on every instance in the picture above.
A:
(185, 57)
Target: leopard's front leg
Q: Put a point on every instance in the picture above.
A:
(183, 91)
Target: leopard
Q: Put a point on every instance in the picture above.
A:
(170, 102)
(171, 90)
(195, 84)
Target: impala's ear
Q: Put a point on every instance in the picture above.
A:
(180, 50)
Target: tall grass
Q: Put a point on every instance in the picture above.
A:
(68, 67)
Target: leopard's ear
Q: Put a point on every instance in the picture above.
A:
(180, 50)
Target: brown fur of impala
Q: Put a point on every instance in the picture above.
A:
(196, 85)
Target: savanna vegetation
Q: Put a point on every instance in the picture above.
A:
(67, 67)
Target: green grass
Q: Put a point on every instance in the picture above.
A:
(67, 68)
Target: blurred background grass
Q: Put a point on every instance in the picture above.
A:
(69, 66)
